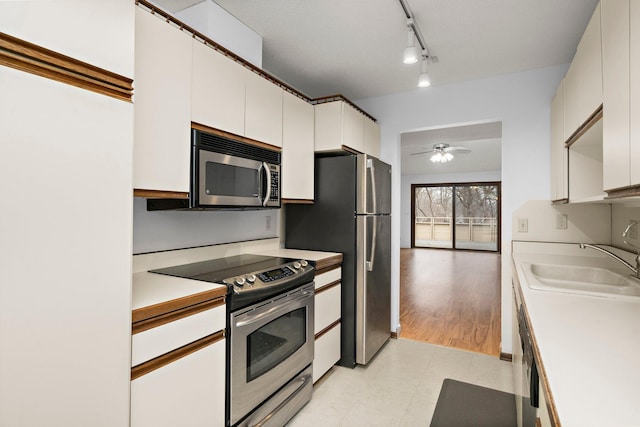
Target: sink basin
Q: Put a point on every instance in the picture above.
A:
(582, 279)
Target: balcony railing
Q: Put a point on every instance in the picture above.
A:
(468, 229)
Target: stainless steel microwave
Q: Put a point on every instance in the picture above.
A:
(228, 174)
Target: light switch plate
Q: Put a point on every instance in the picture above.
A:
(523, 225)
(562, 221)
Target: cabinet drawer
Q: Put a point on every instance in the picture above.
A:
(327, 352)
(329, 277)
(189, 391)
(154, 342)
(327, 308)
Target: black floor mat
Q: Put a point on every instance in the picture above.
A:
(467, 405)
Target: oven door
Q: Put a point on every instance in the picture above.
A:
(271, 342)
(225, 180)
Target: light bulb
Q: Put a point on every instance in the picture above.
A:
(436, 157)
(448, 156)
(411, 54)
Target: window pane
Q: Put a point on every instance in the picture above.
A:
(433, 213)
(476, 217)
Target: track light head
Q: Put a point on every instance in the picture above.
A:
(411, 54)
(423, 79)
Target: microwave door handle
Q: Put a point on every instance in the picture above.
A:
(267, 195)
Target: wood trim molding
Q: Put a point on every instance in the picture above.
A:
(172, 356)
(328, 264)
(144, 313)
(340, 97)
(560, 201)
(327, 329)
(597, 115)
(163, 319)
(34, 59)
(507, 357)
(328, 286)
(623, 192)
(159, 194)
(394, 335)
(235, 137)
(297, 201)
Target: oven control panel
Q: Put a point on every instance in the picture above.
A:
(263, 279)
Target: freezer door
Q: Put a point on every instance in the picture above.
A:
(373, 285)
(373, 186)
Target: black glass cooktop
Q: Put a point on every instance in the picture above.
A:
(216, 270)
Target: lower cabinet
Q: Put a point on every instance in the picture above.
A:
(327, 321)
(189, 391)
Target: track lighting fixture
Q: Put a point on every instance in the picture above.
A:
(410, 55)
(423, 79)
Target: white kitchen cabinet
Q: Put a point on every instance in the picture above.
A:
(297, 148)
(65, 264)
(338, 124)
(586, 166)
(162, 101)
(189, 391)
(327, 321)
(217, 90)
(263, 110)
(93, 31)
(371, 137)
(583, 81)
(559, 154)
(616, 85)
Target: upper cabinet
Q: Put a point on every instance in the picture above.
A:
(339, 125)
(162, 105)
(218, 90)
(297, 148)
(263, 110)
(583, 81)
(559, 160)
(621, 65)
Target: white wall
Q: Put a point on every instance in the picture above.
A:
(522, 102)
(405, 193)
(164, 230)
(225, 29)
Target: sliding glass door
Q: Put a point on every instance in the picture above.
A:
(456, 216)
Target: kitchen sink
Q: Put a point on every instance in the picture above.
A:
(583, 280)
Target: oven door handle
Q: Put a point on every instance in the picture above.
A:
(249, 318)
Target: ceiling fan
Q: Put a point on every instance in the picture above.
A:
(442, 153)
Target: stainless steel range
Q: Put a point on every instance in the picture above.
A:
(269, 334)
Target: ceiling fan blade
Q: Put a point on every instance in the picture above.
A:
(422, 152)
(457, 149)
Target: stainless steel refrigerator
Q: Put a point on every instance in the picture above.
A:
(351, 214)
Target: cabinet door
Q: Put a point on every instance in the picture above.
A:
(328, 127)
(97, 32)
(187, 392)
(326, 352)
(371, 137)
(352, 128)
(263, 110)
(635, 92)
(218, 90)
(297, 148)
(583, 82)
(615, 68)
(559, 160)
(162, 103)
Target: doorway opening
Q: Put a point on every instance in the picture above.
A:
(456, 216)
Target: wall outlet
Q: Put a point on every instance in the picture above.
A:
(523, 225)
(267, 223)
(562, 221)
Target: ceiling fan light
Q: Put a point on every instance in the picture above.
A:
(448, 156)
(436, 158)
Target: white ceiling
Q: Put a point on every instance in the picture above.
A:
(484, 140)
(354, 48)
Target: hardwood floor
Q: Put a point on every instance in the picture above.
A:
(451, 298)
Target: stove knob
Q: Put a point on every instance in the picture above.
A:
(304, 262)
(240, 281)
(251, 278)
(296, 265)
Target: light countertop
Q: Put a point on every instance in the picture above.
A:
(589, 345)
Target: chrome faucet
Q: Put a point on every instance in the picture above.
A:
(636, 269)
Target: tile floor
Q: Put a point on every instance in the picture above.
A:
(399, 387)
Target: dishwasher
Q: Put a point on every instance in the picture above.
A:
(530, 379)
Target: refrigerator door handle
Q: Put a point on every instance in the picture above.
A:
(374, 237)
(374, 196)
